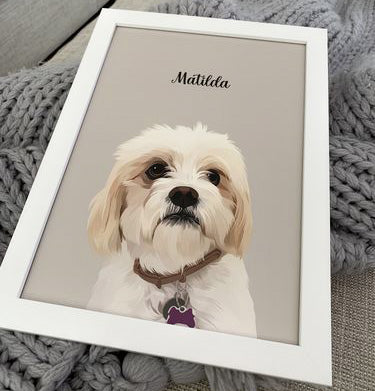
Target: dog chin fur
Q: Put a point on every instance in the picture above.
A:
(130, 218)
(163, 255)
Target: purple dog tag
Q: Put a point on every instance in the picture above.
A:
(181, 315)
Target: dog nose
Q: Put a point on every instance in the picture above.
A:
(184, 196)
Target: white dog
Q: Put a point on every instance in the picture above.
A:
(175, 218)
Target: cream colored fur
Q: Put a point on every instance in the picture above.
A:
(127, 221)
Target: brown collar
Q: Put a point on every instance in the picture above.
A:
(160, 279)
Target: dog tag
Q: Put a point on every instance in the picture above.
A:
(176, 310)
(181, 315)
(172, 303)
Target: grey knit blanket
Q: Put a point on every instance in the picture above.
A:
(30, 104)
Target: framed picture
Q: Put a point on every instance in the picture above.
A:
(182, 206)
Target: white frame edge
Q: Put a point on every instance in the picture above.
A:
(310, 360)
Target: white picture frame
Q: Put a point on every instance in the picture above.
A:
(310, 360)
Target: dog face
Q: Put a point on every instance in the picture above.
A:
(174, 192)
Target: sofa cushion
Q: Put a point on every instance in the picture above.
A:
(30, 30)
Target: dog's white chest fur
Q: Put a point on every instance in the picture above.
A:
(218, 293)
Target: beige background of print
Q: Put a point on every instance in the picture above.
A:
(262, 112)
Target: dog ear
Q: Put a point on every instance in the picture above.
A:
(105, 211)
(238, 237)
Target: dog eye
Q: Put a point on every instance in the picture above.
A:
(214, 177)
(157, 170)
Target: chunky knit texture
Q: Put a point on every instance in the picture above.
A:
(30, 103)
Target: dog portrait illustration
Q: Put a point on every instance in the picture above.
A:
(172, 223)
